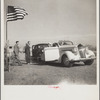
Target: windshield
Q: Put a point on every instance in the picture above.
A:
(65, 43)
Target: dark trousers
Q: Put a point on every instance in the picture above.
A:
(27, 58)
(6, 63)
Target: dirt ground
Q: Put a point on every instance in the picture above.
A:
(51, 74)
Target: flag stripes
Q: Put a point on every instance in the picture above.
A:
(14, 19)
(15, 13)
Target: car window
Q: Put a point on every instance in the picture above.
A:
(41, 46)
(68, 43)
(35, 47)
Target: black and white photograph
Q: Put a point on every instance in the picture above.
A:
(50, 42)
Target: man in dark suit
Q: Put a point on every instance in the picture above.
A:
(27, 52)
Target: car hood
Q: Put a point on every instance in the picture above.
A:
(67, 47)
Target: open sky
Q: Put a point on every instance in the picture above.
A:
(53, 20)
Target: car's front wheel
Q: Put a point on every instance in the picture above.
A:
(66, 62)
(88, 62)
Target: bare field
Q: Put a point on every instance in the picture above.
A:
(50, 74)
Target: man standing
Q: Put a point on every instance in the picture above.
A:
(16, 49)
(16, 53)
(27, 52)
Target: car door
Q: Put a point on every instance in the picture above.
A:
(35, 51)
(51, 53)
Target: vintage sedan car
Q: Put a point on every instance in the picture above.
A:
(64, 52)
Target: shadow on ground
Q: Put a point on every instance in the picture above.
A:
(59, 64)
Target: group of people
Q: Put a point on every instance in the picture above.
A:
(26, 51)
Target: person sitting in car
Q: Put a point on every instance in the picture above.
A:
(55, 45)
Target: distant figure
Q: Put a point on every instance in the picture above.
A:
(6, 56)
(27, 52)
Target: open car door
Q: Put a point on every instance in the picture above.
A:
(51, 53)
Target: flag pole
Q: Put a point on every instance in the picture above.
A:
(6, 32)
(7, 46)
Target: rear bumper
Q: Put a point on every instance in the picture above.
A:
(83, 59)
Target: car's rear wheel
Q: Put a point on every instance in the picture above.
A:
(88, 62)
(66, 62)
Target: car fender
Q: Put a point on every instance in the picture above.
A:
(70, 55)
(90, 54)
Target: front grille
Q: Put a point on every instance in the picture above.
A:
(82, 53)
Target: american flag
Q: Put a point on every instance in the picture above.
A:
(15, 13)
